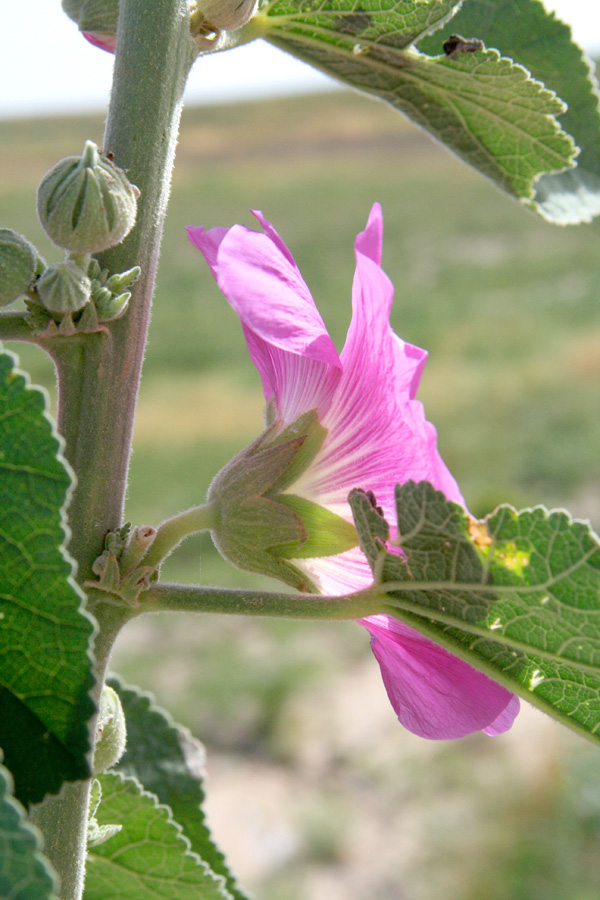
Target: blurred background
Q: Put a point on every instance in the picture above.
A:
(314, 790)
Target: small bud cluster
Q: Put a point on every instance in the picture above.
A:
(85, 205)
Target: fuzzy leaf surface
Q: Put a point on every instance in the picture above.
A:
(516, 595)
(149, 859)
(169, 762)
(484, 107)
(24, 873)
(527, 32)
(46, 676)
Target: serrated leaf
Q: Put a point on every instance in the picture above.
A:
(516, 595)
(24, 873)
(149, 859)
(554, 58)
(483, 107)
(46, 676)
(168, 761)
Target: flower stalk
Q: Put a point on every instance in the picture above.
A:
(98, 374)
(174, 530)
(164, 597)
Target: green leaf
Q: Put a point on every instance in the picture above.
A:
(169, 762)
(46, 676)
(554, 58)
(516, 595)
(482, 106)
(24, 873)
(149, 859)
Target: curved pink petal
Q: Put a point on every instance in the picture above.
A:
(286, 336)
(106, 42)
(434, 694)
(377, 432)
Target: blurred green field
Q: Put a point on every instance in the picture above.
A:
(327, 796)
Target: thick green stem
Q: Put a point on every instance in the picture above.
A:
(62, 819)
(190, 598)
(173, 531)
(99, 374)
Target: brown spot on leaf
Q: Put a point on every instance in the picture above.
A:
(457, 44)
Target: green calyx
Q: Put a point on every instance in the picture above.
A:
(262, 529)
(96, 16)
(63, 288)
(85, 203)
(20, 263)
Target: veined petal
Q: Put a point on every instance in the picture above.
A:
(434, 694)
(208, 242)
(377, 433)
(286, 336)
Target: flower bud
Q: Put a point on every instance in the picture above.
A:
(63, 288)
(225, 15)
(111, 731)
(85, 203)
(99, 17)
(19, 264)
(260, 526)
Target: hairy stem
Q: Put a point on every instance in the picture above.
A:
(173, 531)
(99, 374)
(190, 598)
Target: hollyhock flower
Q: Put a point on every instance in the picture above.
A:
(357, 414)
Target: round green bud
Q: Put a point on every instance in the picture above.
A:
(63, 288)
(227, 15)
(85, 203)
(111, 731)
(93, 15)
(19, 264)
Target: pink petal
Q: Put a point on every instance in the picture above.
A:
(287, 338)
(370, 241)
(104, 41)
(504, 720)
(434, 694)
(378, 434)
(208, 242)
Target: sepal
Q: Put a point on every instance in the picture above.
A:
(63, 288)
(262, 529)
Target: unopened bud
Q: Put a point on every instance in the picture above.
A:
(222, 15)
(111, 731)
(96, 16)
(85, 203)
(19, 264)
(63, 288)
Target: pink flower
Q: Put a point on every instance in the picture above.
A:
(377, 436)
(104, 41)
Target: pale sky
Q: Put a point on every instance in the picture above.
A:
(47, 67)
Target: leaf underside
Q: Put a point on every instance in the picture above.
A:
(517, 595)
(527, 32)
(149, 858)
(45, 677)
(169, 762)
(484, 107)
